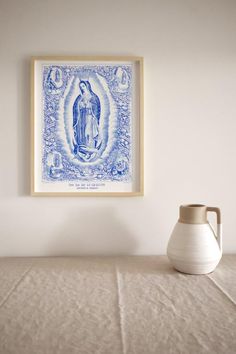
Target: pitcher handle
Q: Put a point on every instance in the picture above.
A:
(219, 225)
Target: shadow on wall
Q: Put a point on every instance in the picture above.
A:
(92, 231)
(23, 126)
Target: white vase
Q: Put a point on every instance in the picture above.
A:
(194, 248)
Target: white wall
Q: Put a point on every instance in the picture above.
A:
(189, 47)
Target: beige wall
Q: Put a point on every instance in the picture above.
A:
(189, 49)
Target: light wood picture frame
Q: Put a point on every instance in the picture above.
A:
(87, 126)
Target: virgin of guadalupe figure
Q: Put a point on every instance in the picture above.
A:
(86, 117)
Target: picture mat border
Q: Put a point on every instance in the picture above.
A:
(140, 152)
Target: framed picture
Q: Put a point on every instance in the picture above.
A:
(87, 126)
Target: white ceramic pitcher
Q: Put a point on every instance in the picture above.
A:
(194, 248)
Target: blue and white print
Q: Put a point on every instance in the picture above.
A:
(87, 123)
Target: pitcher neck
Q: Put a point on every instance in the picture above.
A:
(193, 214)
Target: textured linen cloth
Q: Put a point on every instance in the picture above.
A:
(115, 305)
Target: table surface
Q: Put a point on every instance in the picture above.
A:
(115, 305)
